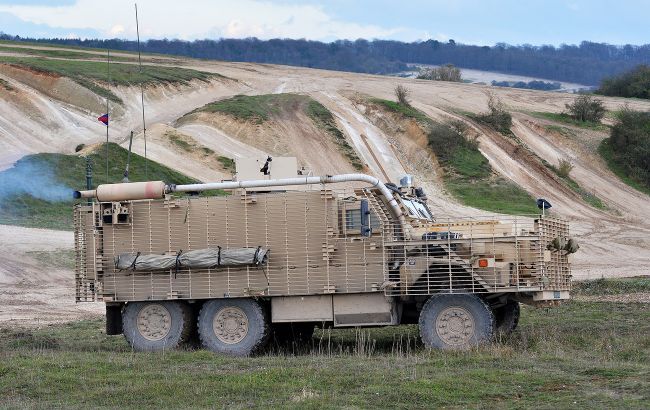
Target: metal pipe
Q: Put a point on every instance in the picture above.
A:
(307, 180)
(156, 189)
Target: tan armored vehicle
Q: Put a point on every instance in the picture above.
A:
(284, 252)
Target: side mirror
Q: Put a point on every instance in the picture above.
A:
(365, 218)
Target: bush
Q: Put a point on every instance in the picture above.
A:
(564, 168)
(497, 117)
(630, 144)
(587, 108)
(443, 73)
(635, 83)
(402, 93)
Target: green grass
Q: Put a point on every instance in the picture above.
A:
(69, 172)
(497, 196)
(581, 354)
(226, 163)
(567, 119)
(94, 76)
(257, 108)
(52, 52)
(605, 151)
(612, 286)
(405, 110)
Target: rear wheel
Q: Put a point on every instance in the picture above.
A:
(455, 321)
(236, 327)
(153, 326)
(507, 318)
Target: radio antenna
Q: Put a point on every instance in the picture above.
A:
(144, 125)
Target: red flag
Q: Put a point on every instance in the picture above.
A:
(104, 119)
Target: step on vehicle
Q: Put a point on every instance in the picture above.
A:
(284, 252)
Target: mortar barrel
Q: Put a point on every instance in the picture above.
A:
(125, 192)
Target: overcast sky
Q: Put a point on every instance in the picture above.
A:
(467, 21)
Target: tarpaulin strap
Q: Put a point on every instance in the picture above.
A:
(137, 255)
(178, 262)
(257, 252)
(219, 256)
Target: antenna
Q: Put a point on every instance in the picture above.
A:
(144, 125)
(108, 70)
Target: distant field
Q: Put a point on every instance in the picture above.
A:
(94, 74)
(581, 354)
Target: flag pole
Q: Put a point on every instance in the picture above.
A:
(108, 70)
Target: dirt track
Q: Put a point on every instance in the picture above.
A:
(614, 242)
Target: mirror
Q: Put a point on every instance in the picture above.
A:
(365, 218)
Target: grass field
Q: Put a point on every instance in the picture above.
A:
(581, 354)
(63, 174)
(94, 74)
(567, 119)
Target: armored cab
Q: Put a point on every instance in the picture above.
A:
(277, 252)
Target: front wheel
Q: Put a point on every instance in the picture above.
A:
(153, 326)
(456, 322)
(236, 327)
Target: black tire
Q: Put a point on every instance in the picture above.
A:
(155, 326)
(507, 318)
(456, 322)
(236, 327)
(289, 335)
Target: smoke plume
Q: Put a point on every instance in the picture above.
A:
(28, 177)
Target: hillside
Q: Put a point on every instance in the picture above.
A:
(328, 120)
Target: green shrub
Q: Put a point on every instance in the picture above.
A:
(587, 108)
(497, 117)
(635, 83)
(630, 145)
(402, 93)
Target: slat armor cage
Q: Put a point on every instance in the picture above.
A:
(315, 247)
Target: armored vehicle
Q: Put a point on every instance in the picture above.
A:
(278, 252)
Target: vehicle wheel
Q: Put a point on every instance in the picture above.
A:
(292, 334)
(455, 321)
(237, 327)
(152, 326)
(507, 317)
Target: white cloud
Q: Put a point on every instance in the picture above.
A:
(117, 30)
(193, 19)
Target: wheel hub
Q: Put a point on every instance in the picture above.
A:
(455, 326)
(230, 325)
(154, 322)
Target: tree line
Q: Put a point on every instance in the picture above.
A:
(587, 63)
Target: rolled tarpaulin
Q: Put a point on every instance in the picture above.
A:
(210, 258)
